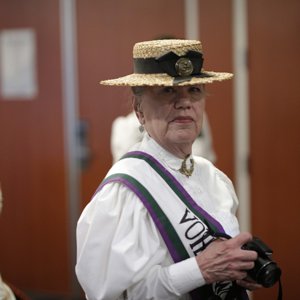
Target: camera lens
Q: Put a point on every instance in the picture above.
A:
(268, 274)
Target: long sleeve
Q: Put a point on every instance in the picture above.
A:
(5, 292)
(119, 248)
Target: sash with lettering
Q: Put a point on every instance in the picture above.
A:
(185, 227)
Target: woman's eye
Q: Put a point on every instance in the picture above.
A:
(168, 90)
(195, 89)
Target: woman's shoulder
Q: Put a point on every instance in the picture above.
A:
(209, 169)
(205, 164)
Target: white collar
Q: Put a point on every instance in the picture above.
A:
(149, 145)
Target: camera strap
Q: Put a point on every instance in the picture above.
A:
(279, 294)
(235, 292)
(279, 297)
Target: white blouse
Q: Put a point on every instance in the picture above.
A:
(120, 249)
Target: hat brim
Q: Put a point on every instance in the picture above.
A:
(165, 80)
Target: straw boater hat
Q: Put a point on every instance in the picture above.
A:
(166, 63)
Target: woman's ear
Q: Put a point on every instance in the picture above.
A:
(136, 103)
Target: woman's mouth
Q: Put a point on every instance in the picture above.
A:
(183, 119)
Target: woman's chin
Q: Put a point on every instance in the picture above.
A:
(183, 139)
(185, 136)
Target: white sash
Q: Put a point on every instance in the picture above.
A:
(192, 231)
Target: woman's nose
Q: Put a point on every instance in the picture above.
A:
(183, 100)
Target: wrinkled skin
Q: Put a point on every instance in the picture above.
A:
(225, 260)
(172, 116)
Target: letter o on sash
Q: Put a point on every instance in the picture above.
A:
(194, 230)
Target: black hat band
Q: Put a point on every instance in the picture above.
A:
(176, 66)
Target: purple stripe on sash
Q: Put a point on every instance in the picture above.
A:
(155, 218)
(182, 190)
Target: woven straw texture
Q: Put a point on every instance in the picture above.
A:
(158, 48)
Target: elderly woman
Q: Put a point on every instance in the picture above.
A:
(158, 226)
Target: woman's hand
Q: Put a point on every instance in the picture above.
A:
(224, 260)
(249, 284)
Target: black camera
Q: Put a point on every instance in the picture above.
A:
(265, 271)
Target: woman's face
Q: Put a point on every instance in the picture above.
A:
(172, 115)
